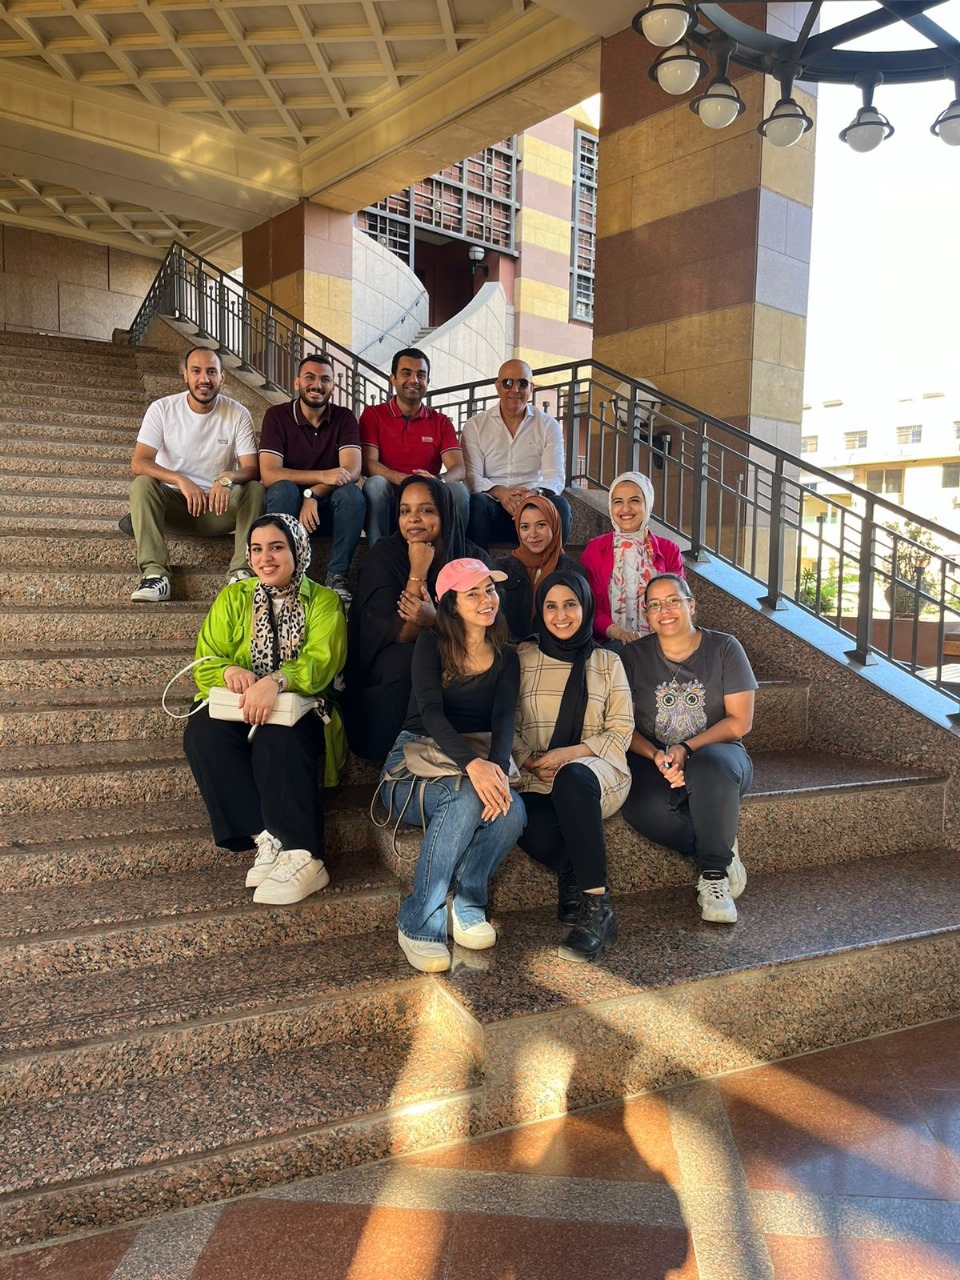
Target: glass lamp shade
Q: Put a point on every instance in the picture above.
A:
(866, 130)
(666, 22)
(947, 124)
(677, 70)
(719, 106)
(786, 123)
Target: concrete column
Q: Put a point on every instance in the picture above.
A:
(703, 245)
(302, 260)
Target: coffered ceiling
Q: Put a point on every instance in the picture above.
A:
(143, 121)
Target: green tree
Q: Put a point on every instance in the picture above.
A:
(907, 561)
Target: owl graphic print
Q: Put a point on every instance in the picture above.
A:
(681, 709)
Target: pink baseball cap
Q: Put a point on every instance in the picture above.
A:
(463, 575)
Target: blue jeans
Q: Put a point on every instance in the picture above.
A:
(459, 854)
(341, 514)
(490, 523)
(382, 505)
(699, 819)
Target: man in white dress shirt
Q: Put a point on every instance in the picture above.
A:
(512, 451)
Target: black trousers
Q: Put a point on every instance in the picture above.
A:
(566, 826)
(271, 782)
(376, 702)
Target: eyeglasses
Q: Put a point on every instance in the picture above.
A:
(522, 384)
(671, 602)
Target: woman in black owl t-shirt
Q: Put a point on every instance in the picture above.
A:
(693, 693)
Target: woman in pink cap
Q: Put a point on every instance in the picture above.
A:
(465, 680)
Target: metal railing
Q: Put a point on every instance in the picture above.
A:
(887, 578)
(265, 339)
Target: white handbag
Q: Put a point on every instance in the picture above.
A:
(224, 704)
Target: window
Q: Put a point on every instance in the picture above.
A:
(909, 435)
(583, 238)
(887, 481)
(473, 200)
(950, 478)
(808, 444)
(854, 439)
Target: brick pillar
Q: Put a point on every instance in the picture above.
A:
(302, 260)
(703, 245)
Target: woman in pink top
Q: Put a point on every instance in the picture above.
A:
(618, 565)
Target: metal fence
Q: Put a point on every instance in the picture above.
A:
(887, 578)
(265, 339)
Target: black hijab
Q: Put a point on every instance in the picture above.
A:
(568, 731)
(451, 526)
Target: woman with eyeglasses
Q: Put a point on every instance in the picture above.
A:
(574, 722)
(693, 693)
(618, 565)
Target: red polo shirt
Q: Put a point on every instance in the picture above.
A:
(408, 444)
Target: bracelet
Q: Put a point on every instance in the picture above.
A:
(411, 578)
(687, 748)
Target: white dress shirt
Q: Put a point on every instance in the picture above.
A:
(533, 457)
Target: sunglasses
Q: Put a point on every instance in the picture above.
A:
(522, 384)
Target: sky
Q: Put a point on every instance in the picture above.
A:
(884, 304)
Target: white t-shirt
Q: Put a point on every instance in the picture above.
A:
(199, 445)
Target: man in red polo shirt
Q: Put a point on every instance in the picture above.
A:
(405, 437)
(310, 464)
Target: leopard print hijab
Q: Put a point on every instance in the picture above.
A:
(276, 637)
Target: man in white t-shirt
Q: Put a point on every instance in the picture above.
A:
(195, 469)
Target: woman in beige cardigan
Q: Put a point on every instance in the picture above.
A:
(574, 724)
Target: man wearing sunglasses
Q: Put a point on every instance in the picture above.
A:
(512, 451)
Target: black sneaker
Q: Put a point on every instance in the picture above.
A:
(125, 525)
(338, 582)
(595, 929)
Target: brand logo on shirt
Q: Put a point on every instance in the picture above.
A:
(223, 439)
(426, 439)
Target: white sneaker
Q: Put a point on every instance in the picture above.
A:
(736, 873)
(428, 957)
(153, 590)
(715, 901)
(295, 876)
(239, 575)
(475, 937)
(268, 850)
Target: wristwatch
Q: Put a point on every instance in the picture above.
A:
(307, 493)
(280, 679)
(225, 482)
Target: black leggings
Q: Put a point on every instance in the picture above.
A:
(566, 826)
(269, 783)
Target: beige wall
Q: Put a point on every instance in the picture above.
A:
(53, 284)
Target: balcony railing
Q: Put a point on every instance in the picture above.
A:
(886, 577)
(265, 339)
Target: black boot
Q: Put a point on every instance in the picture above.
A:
(568, 896)
(595, 929)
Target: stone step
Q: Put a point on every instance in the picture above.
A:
(25, 507)
(22, 460)
(85, 377)
(28, 446)
(43, 343)
(67, 932)
(56, 399)
(92, 427)
(49, 585)
(108, 550)
(104, 526)
(177, 623)
(354, 1077)
(821, 955)
(118, 486)
(867, 807)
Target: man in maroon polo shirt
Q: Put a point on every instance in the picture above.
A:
(405, 437)
(310, 465)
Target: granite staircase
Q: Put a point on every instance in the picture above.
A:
(164, 1042)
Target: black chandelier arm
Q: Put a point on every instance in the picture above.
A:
(878, 19)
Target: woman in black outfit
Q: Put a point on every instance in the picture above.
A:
(392, 605)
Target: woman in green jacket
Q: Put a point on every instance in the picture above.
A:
(264, 635)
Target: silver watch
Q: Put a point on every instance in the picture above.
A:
(307, 493)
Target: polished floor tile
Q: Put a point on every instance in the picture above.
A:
(95, 1258)
(830, 1259)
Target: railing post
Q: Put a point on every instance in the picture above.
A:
(774, 597)
(223, 343)
(868, 530)
(245, 332)
(270, 355)
(698, 496)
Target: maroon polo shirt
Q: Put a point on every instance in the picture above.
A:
(408, 444)
(300, 445)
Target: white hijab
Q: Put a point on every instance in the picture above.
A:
(633, 564)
